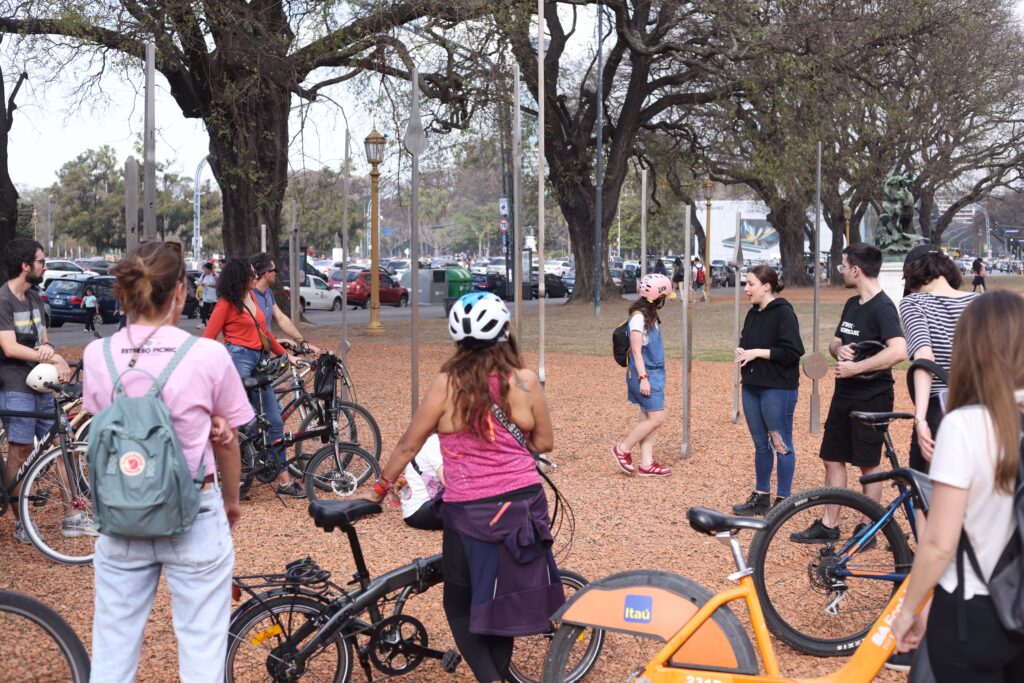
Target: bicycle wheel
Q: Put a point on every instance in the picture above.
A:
(258, 647)
(529, 652)
(57, 514)
(39, 643)
(356, 426)
(310, 417)
(805, 603)
(339, 475)
(245, 473)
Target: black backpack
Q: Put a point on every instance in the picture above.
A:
(1006, 584)
(620, 343)
(326, 376)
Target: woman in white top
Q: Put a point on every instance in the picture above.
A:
(974, 470)
(424, 482)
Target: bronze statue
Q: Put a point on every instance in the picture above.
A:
(896, 237)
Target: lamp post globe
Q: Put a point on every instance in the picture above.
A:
(374, 144)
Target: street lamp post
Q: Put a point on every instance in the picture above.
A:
(375, 154)
(847, 214)
(709, 193)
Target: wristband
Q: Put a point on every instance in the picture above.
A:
(382, 486)
(645, 376)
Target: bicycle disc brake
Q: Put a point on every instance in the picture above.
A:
(821, 572)
(398, 645)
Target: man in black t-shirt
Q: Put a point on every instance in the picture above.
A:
(869, 316)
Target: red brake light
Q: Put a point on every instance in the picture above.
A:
(75, 301)
(43, 295)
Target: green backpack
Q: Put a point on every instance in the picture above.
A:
(141, 485)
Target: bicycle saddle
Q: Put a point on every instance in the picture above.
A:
(711, 522)
(72, 391)
(257, 382)
(328, 514)
(879, 419)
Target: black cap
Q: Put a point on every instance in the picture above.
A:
(920, 251)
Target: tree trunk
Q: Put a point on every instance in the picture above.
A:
(789, 220)
(249, 159)
(8, 193)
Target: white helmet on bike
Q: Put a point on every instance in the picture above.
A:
(41, 375)
(478, 315)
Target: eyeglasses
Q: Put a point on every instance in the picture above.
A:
(842, 268)
(272, 270)
(39, 260)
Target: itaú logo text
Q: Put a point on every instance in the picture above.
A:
(638, 609)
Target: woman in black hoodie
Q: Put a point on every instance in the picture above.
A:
(769, 356)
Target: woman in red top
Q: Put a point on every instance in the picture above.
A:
(249, 342)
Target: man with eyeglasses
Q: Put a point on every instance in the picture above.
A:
(23, 345)
(266, 276)
(865, 384)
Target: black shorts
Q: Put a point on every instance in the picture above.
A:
(847, 440)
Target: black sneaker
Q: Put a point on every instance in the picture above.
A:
(816, 533)
(870, 543)
(291, 490)
(778, 500)
(901, 661)
(756, 504)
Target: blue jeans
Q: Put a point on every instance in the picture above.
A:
(197, 565)
(23, 431)
(245, 361)
(770, 411)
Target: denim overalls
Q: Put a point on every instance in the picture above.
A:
(653, 354)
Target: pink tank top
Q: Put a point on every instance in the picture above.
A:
(477, 468)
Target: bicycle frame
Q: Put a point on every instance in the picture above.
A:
(690, 655)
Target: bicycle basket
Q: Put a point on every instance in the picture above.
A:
(326, 376)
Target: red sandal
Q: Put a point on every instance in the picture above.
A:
(623, 459)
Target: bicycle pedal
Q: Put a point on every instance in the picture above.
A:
(450, 661)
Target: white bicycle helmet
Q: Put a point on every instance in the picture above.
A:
(478, 315)
(40, 375)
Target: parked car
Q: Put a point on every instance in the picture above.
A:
(496, 265)
(569, 279)
(625, 279)
(65, 296)
(390, 291)
(314, 293)
(397, 267)
(721, 276)
(558, 266)
(96, 265)
(479, 267)
(57, 268)
(491, 282)
(553, 287)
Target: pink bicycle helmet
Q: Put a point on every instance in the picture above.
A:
(654, 286)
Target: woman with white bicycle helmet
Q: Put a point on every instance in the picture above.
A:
(645, 377)
(482, 394)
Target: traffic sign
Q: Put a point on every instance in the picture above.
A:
(503, 223)
(503, 206)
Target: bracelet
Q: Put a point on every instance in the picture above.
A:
(382, 486)
(645, 376)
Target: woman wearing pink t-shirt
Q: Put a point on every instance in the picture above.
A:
(197, 563)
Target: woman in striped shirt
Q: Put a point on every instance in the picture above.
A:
(930, 313)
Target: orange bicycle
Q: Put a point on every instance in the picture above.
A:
(687, 635)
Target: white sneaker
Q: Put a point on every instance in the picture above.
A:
(77, 525)
(20, 535)
(200, 326)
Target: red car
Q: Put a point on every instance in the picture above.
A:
(390, 291)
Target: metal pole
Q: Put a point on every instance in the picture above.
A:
(815, 408)
(263, 236)
(49, 224)
(599, 171)
(149, 149)
(517, 199)
(707, 244)
(738, 265)
(643, 222)
(293, 264)
(131, 202)
(344, 265)
(197, 235)
(685, 449)
(540, 184)
(415, 143)
(375, 325)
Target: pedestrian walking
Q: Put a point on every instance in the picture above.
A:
(679, 277)
(208, 281)
(698, 278)
(659, 267)
(868, 341)
(250, 345)
(489, 412)
(930, 312)
(980, 273)
(24, 344)
(645, 378)
(769, 358)
(972, 516)
(91, 306)
(197, 564)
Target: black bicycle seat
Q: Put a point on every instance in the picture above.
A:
(711, 522)
(328, 514)
(257, 382)
(879, 419)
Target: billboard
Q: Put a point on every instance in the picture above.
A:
(759, 240)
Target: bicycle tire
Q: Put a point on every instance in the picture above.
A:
(309, 411)
(356, 426)
(519, 671)
(781, 611)
(35, 665)
(277, 614)
(245, 472)
(326, 478)
(42, 513)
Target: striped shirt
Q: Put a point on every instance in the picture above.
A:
(930, 320)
